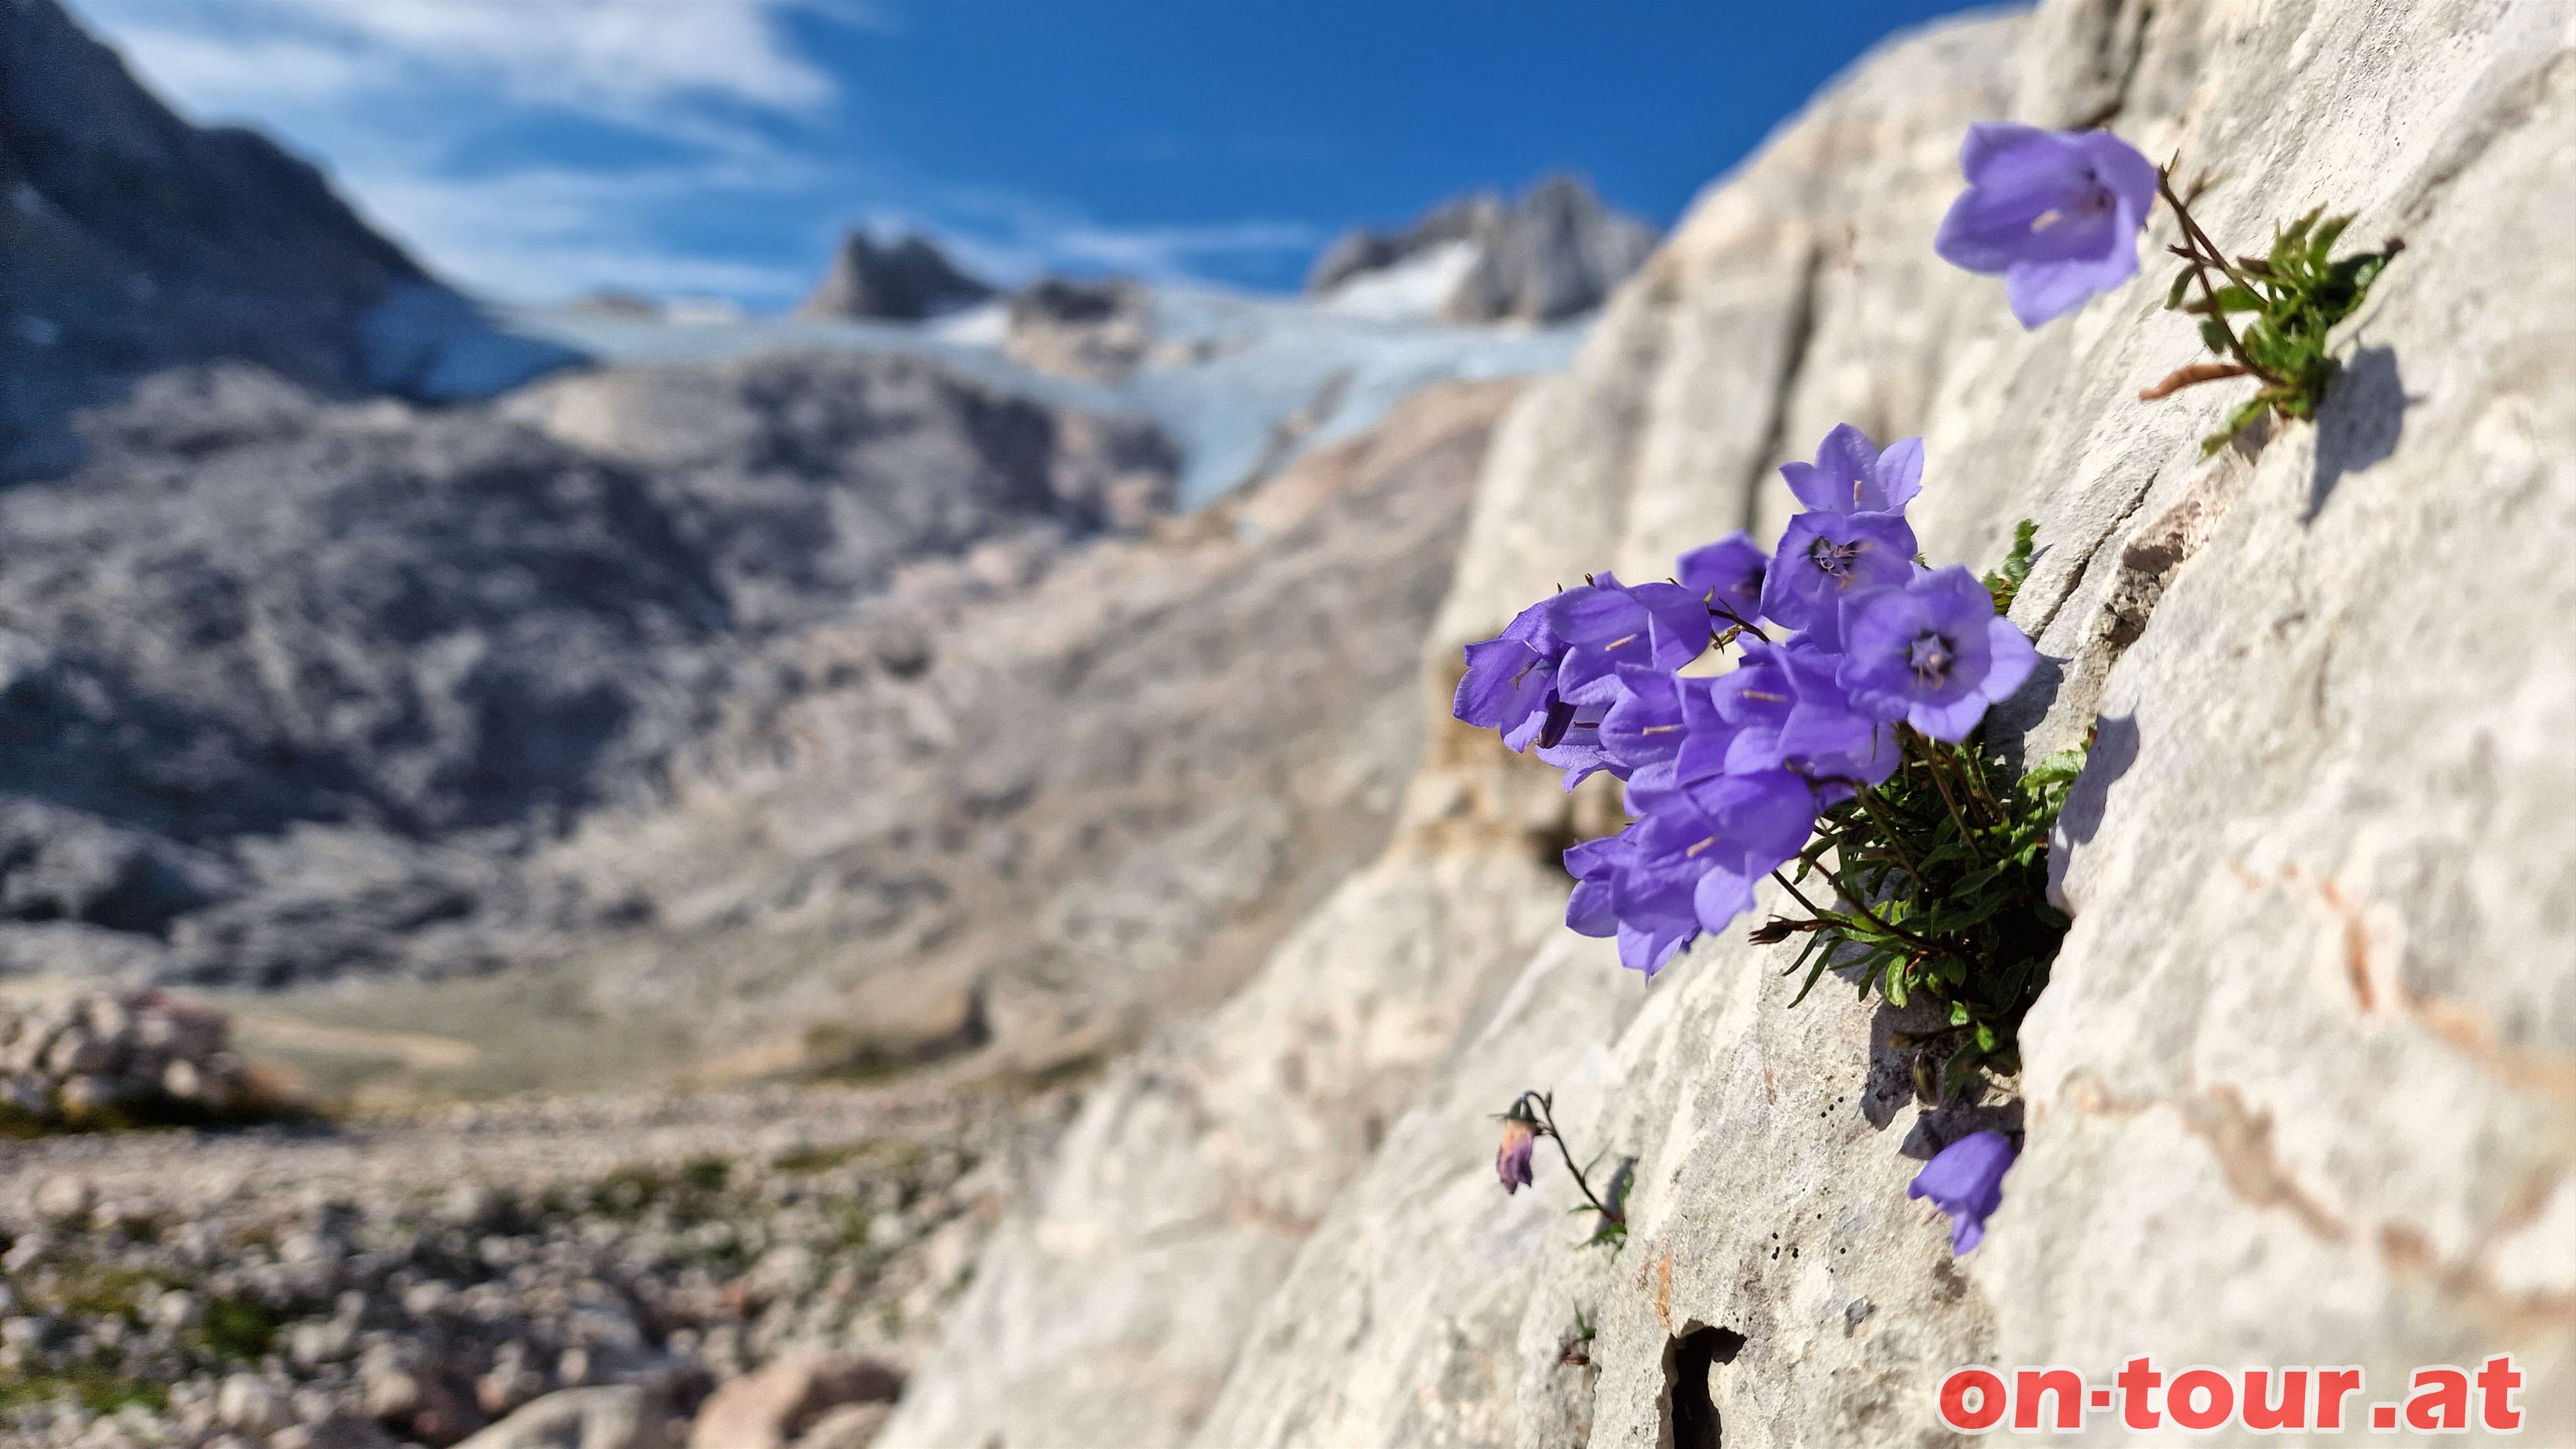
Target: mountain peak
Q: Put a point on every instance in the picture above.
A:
(1555, 252)
(901, 281)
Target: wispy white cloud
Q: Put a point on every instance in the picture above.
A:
(392, 95)
(1015, 236)
(645, 63)
(538, 234)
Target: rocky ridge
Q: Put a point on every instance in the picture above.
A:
(1551, 253)
(295, 683)
(132, 241)
(901, 281)
(2299, 871)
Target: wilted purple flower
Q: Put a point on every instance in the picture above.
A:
(1728, 575)
(1606, 625)
(1932, 653)
(1520, 1140)
(1825, 558)
(1850, 474)
(2056, 212)
(1966, 1181)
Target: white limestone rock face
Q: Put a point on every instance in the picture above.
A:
(1428, 1308)
(1109, 1311)
(1382, 1331)
(2299, 1092)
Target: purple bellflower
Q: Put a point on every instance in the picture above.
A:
(1606, 625)
(1785, 711)
(1720, 835)
(1511, 680)
(1642, 734)
(1511, 686)
(1618, 894)
(1728, 575)
(1966, 1180)
(1850, 475)
(1825, 558)
(1932, 653)
(2056, 212)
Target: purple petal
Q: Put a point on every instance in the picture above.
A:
(1846, 452)
(1720, 897)
(1530, 627)
(1677, 623)
(2042, 292)
(1504, 682)
(2129, 174)
(2010, 659)
(1589, 615)
(1988, 138)
(1591, 910)
(1899, 474)
(1649, 950)
(1728, 573)
(1949, 722)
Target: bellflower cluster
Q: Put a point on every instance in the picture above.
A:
(1842, 641)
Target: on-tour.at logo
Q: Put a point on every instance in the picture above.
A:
(2439, 1399)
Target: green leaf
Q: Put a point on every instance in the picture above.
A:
(2214, 333)
(2181, 285)
(2324, 239)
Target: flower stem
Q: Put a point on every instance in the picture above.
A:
(2203, 254)
(1547, 1120)
(1967, 836)
(1887, 830)
(1872, 917)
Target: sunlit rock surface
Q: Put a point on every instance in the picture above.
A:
(2297, 1094)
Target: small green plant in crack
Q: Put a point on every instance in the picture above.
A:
(1575, 1349)
(2266, 317)
(1941, 893)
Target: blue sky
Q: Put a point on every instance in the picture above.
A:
(536, 149)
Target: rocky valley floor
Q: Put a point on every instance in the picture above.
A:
(421, 1279)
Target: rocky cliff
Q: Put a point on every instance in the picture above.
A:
(292, 681)
(2297, 1093)
(131, 240)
